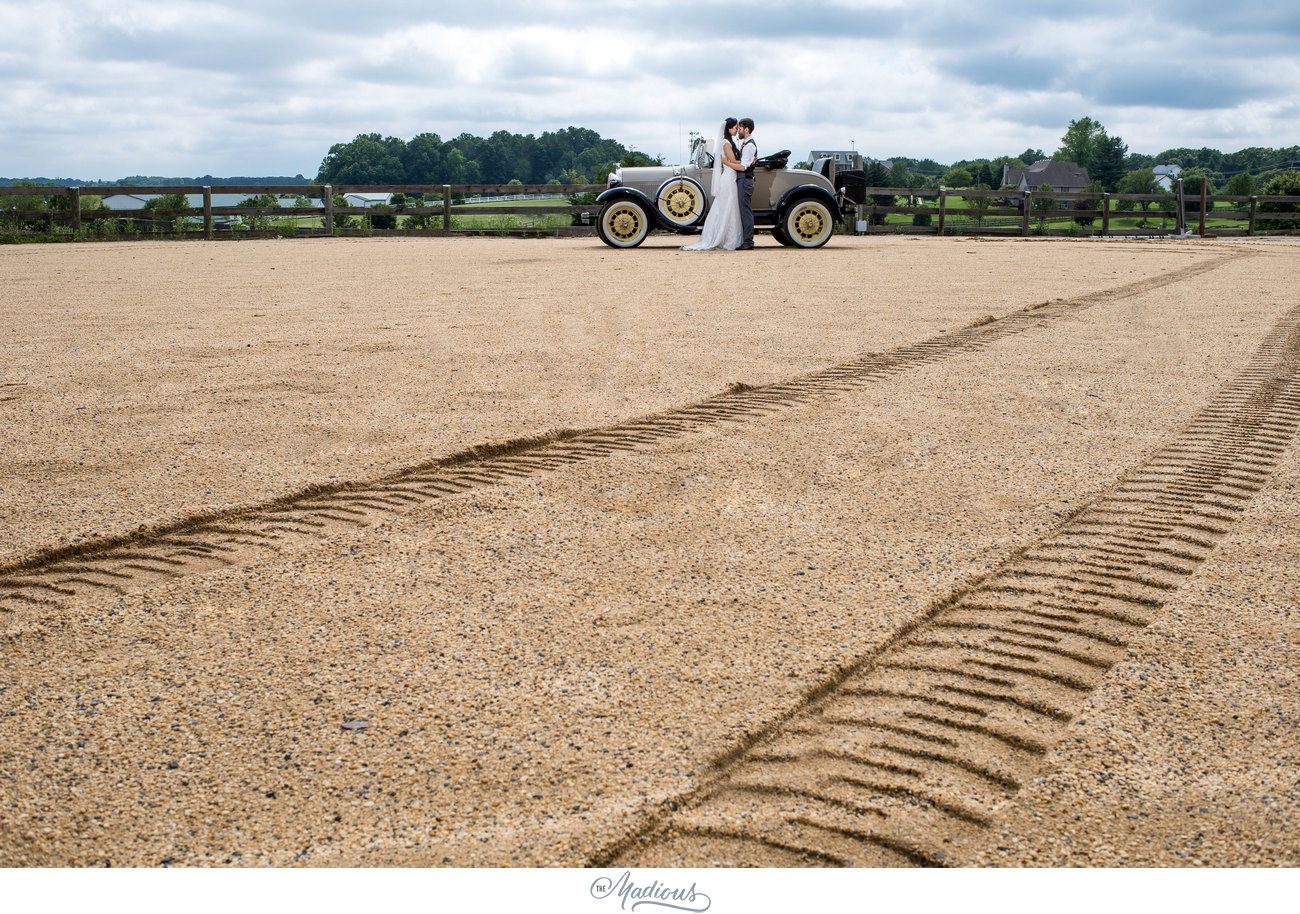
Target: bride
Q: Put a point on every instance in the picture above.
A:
(722, 229)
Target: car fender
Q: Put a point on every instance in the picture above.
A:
(803, 192)
(631, 193)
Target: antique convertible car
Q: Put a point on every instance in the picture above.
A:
(800, 206)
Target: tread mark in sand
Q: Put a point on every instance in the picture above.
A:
(905, 756)
(56, 576)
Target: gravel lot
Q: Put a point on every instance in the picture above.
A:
(529, 668)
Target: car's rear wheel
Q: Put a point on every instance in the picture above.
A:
(808, 224)
(779, 234)
(623, 224)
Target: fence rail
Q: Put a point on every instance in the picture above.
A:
(947, 211)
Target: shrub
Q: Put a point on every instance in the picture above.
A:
(587, 199)
(1192, 191)
(1089, 203)
(1286, 184)
(381, 218)
(1043, 205)
(21, 202)
(978, 207)
(89, 202)
(342, 221)
(256, 221)
(168, 201)
(1043, 202)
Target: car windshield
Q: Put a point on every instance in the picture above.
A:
(700, 152)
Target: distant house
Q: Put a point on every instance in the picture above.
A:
(367, 200)
(125, 202)
(1166, 175)
(845, 160)
(1063, 177)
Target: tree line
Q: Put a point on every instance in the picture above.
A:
(1113, 168)
(574, 155)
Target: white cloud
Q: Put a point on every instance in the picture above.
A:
(180, 87)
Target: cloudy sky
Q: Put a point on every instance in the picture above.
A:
(108, 88)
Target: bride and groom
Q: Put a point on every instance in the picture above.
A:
(730, 223)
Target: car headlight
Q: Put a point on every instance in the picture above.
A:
(616, 177)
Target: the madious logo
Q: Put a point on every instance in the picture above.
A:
(632, 896)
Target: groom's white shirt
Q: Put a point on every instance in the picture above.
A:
(748, 153)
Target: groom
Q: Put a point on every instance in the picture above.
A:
(745, 182)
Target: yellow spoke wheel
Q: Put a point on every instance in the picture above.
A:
(808, 224)
(623, 223)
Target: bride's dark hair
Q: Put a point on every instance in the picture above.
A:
(726, 131)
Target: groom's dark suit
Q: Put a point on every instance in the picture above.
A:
(745, 193)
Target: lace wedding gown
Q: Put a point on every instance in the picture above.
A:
(722, 231)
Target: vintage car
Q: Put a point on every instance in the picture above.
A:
(800, 206)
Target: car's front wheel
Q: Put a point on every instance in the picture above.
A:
(779, 234)
(623, 224)
(808, 224)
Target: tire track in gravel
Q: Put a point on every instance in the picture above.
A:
(57, 576)
(909, 753)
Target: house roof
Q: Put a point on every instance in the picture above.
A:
(368, 199)
(1049, 172)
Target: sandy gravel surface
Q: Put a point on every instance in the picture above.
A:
(540, 662)
(149, 381)
(1191, 754)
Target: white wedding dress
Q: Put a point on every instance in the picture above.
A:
(722, 231)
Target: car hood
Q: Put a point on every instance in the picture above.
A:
(652, 174)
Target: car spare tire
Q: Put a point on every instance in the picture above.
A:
(680, 202)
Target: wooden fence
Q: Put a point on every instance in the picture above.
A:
(62, 206)
(1005, 212)
(1012, 212)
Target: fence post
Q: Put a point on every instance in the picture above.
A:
(446, 207)
(1202, 225)
(1105, 214)
(1250, 223)
(74, 197)
(207, 212)
(943, 208)
(1024, 213)
(329, 209)
(1180, 218)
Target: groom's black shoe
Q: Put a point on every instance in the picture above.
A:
(745, 247)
